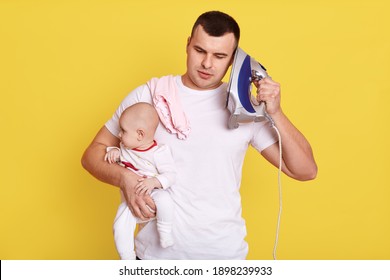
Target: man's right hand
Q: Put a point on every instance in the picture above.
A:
(142, 206)
(116, 175)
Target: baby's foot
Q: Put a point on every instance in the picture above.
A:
(166, 240)
(128, 256)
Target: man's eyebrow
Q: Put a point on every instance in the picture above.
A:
(221, 54)
(199, 48)
(217, 53)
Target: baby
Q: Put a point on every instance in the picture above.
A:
(140, 153)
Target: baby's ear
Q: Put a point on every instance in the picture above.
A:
(141, 134)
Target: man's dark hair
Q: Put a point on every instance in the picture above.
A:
(216, 24)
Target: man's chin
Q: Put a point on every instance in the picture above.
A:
(201, 82)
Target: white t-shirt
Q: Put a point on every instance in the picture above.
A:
(208, 223)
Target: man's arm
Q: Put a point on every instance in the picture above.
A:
(297, 156)
(93, 161)
(298, 160)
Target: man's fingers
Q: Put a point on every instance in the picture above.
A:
(147, 212)
(150, 203)
(144, 207)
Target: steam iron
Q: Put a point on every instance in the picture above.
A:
(242, 105)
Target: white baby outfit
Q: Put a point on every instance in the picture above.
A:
(156, 161)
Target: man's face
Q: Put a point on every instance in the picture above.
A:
(208, 59)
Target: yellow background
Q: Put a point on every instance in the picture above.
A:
(66, 65)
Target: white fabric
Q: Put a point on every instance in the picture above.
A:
(125, 222)
(208, 223)
(155, 162)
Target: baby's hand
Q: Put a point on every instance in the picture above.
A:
(112, 156)
(146, 185)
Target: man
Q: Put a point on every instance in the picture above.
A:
(208, 222)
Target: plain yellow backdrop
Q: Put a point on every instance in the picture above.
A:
(66, 65)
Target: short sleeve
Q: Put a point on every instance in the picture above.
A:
(264, 135)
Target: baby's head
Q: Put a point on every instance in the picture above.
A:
(138, 124)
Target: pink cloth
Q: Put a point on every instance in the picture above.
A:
(167, 103)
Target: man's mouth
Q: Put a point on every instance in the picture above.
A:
(204, 75)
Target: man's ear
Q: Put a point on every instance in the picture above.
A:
(188, 43)
(140, 134)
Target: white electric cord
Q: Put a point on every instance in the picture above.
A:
(279, 185)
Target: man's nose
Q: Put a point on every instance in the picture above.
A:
(207, 61)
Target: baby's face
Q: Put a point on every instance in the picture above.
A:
(128, 134)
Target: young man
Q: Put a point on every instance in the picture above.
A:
(208, 221)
